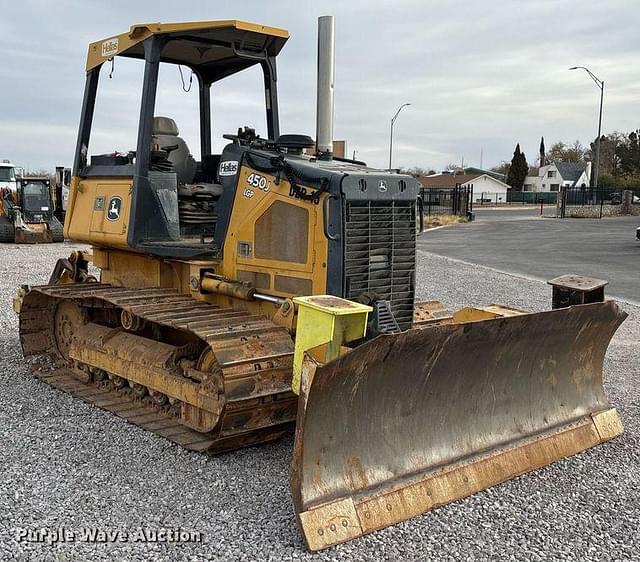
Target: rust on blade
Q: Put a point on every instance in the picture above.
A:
(409, 422)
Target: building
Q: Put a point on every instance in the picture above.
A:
(479, 171)
(559, 174)
(486, 188)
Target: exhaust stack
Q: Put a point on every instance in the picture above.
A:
(325, 86)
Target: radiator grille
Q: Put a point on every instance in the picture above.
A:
(380, 253)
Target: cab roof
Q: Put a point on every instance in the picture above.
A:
(215, 49)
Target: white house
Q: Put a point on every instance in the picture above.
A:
(552, 176)
(486, 189)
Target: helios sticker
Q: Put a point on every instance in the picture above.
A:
(110, 47)
(228, 168)
(113, 210)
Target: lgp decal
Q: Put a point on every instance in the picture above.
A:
(113, 210)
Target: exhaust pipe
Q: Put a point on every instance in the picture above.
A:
(326, 78)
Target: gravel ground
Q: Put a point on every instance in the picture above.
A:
(67, 464)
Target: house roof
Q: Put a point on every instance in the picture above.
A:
(446, 180)
(571, 171)
(479, 171)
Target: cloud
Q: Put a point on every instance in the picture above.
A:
(479, 76)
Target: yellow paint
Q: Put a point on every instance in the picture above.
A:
(325, 319)
(103, 50)
(472, 314)
(126, 268)
(86, 221)
(246, 210)
(86, 218)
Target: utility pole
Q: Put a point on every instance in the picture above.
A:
(393, 120)
(600, 84)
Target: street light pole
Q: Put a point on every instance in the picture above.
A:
(600, 84)
(393, 120)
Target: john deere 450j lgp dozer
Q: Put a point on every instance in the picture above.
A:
(261, 287)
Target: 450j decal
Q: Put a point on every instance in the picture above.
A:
(258, 181)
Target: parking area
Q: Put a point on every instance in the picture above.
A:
(521, 242)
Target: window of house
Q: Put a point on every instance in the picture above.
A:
(551, 174)
(555, 186)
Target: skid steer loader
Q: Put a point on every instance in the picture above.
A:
(26, 212)
(260, 288)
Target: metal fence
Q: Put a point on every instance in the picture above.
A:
(515, 198)
(449, 201)
(534, 197)
(596, 203)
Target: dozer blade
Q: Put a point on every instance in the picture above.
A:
(409, 422)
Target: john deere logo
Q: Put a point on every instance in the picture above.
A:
(382, 186)
(113, 210)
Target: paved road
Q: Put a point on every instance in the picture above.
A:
(522, 243)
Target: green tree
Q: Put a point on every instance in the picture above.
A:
(542, 153)
(628, 153)
(606, 181)
(609, 160)
(563, 152)
(518, 170)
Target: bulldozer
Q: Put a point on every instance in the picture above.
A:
(27, 213)
(229, 300)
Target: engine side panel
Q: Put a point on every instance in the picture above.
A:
(274, 239)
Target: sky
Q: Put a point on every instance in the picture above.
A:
(480, 76)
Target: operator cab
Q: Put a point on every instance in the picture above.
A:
(34, 199)
(7, 176)
(176, 198)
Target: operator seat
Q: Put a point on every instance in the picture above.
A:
(165, 134)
